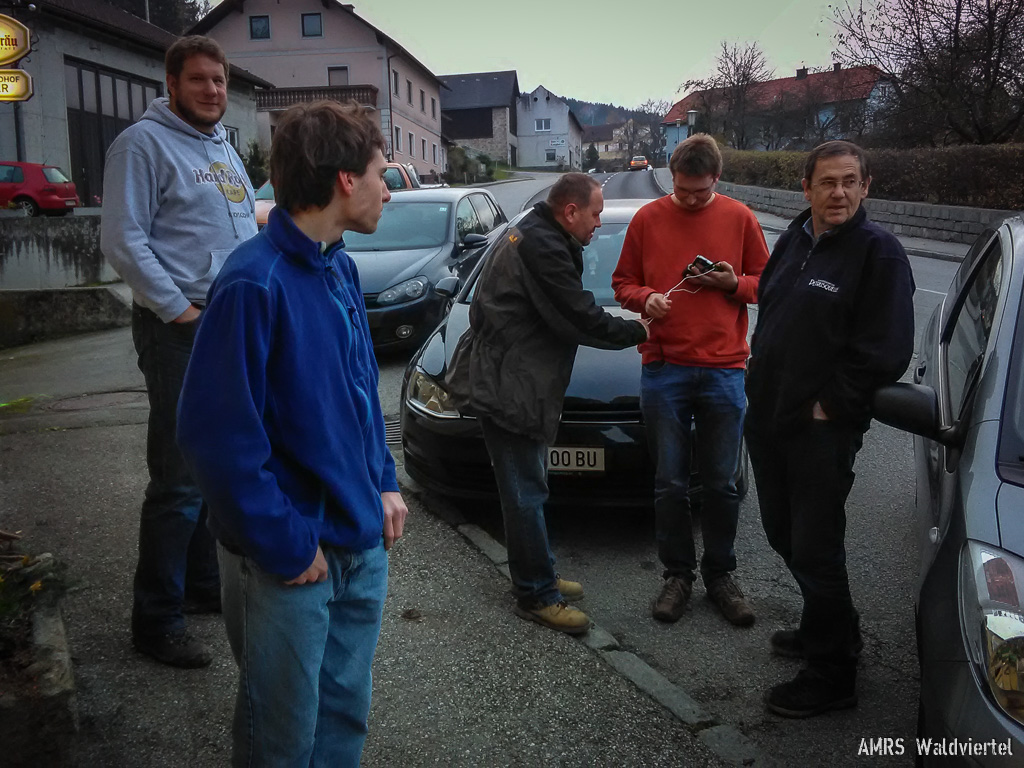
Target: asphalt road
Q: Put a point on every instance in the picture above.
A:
(727, 669)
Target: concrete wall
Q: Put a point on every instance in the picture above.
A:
(30, 316)
(46, 253)
(951, 223)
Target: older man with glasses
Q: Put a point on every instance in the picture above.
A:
(835, 322)
(691, 263)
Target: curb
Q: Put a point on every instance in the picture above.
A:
(726, 741)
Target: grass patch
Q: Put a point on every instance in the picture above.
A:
(21, 405)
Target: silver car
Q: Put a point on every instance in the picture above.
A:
(967, 407)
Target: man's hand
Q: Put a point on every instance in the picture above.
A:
(317, 571)
(657, 306)
(188, 315)
(818, 413)
(722, 277)
(395, 513)
(646, 323)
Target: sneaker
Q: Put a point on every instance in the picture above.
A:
(809, 694)
(571, 590)
(671, 603)
(787, 643)
(561, 617)
(176, 649)
(726, 594)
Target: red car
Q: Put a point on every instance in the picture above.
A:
(36, 188)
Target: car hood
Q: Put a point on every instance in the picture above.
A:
(379, 270)
(602, 379)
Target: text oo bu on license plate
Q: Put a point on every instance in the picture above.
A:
(569, 459)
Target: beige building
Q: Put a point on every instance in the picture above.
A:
(317, 49)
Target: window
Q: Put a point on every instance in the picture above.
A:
(393, 178)
(434, 148)
(412, 144)
(408, 90)
(967, 336)
(466, 220)
(423, 142)
(423, 100)
(337, 75)
(312, 25)
(259, 27)
(549, 155)
(232, 135)
(10, 174)
(543, 124)
(433, 107)
(484, 212)
(394, 79)
(398, 139)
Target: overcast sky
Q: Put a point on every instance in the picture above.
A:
(622, 52)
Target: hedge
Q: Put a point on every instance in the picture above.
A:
(990, 176)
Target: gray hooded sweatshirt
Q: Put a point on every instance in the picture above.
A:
(176, 202)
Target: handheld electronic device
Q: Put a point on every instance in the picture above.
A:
(703, 264)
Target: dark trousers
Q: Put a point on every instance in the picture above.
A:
(177, 554)
(802, 484)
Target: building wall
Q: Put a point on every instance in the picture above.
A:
(533, 144)
(44, 117)
(289, 60)
(498, 145)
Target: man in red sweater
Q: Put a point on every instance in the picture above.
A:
(693, 365)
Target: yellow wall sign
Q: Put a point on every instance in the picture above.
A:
(15, 85)
(14, 40)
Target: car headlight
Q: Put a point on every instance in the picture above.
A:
(428, 396)
(407, 291)
(994, 621)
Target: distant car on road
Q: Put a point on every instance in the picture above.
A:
(638, 163)
(967, 407)
(36, 188)
(593, 170)
(600, 454)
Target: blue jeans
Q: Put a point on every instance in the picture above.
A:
(177, 554)
(521, 474)
(304, 654)
(673, 398)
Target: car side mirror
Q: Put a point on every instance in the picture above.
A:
(913, 408)
(473, 240)
(447, 286)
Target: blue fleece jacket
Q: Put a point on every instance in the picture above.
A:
(176, 202)
(279, 417)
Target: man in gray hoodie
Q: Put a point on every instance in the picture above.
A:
(176, 202)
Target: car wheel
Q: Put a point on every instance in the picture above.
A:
(28, 206)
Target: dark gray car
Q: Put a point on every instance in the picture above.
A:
(967, 408)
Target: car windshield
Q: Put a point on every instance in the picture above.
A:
(639, 159)
(266, 192)
(1011, 442)
(599, 261)
(55, 176)
(404, 226)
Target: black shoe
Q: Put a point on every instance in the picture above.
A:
(787, 643)
(671, 603)
(809, 694)
(196, 605)
(176, 649)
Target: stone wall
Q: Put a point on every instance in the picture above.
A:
(43, 253)
(950, 223)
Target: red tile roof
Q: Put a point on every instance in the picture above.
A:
(829, 87)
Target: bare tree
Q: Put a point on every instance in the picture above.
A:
(738, 71)
(650, 114)
(959, 60)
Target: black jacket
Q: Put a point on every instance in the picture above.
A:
(835, 322)
(529, 314)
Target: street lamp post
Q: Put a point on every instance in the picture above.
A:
(691, 121)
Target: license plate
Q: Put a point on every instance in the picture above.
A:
(566, 459)
(69, 202)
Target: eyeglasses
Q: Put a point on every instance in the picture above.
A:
(828, 185)
(699, 195)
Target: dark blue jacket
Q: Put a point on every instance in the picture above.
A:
(835, 321)
(279, 417)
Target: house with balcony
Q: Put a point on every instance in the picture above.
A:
(550, 136)
(320, 49)
(479, 110)
(785, 113)
(95, 69)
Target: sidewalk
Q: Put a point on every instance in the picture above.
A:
(459, 680)
(914, 246)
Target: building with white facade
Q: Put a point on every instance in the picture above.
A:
(550, 136)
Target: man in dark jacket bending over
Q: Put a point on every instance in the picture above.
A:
(512, 367)
(835, 322)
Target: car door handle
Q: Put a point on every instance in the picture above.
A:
(919, 372)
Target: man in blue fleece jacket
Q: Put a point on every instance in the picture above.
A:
(176, 202)
(281, 425)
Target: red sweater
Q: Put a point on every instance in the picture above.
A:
(708, 328)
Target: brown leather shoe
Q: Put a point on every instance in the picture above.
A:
(671, 603)
(560, 617)
(725, 594)
(571, 590)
